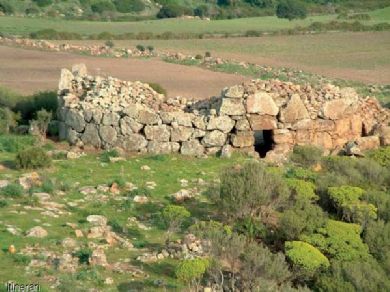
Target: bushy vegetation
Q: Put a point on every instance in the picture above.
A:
(221, 9)
(32, 158)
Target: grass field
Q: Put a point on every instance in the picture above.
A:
(23, 26)
(91, 171)
(360, 56)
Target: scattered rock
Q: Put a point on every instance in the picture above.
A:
(37, 231)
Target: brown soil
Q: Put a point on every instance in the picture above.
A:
(29, 71)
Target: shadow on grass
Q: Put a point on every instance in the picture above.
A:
(135, 286)
(164, 268)
(8, 164)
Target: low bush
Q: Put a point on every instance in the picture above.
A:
(141, 48)
(158, 88)
(109, 44)
(3, 203)
(306, 257)
(13, 144)
(306, 155)
(139, 192)
(106, 155)
(12, 190)
(32, 158)
(83, 254)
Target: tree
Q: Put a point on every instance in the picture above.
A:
(251, 191)
(174, 217)
(191, 272)
(291, 9)
(8, 120)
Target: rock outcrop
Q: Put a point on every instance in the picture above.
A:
(107, 113)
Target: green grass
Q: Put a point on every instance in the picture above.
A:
(25, 25)
(90, 171)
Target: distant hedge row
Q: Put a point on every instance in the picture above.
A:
(51, 34)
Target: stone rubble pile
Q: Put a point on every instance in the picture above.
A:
(107, 113)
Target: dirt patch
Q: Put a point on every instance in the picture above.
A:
(28, 71)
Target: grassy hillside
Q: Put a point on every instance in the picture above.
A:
(24, 26)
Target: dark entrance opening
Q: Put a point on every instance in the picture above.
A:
(264, 142)
(364, 131)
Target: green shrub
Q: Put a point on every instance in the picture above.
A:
(6, 7)
(302, 190)
(42, 121)
(306, 155)
(109, 44)
(13, 144)
(305, 256)
(126, 6)
(191, 272)
(199, 57)
(158, 88)
(141, 48)
(291, 9)
(339, 240)
(150, 48)
(174, 217)
(381, 155)
(139, 192)
(173, 10)
(301, 173)
(12, 190)
(102, 6)
(32, 158)
(207, 54)
(244, 191)
(31, 105)
(83, 254)
(43, 3)
(380, 199)
(3, 203)
(8, 120)
(105, 156)
(347, 201)
(303, 218)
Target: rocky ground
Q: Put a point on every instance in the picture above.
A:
(93, 222)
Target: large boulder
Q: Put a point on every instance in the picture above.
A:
(129, 125)
(295, 110)
(243, 139)
(262, 122)
(157, 133)
(236, 91)
(156, 147)
(214, 139)
(192, 147)
(108, 134)
(75, 120)
(261, 103)
(134, 142)
(110, 119)
(232, 107)
(65, 83)
(337, 108)
(222, 123)
(147, 117)
(385, 135)
(181, 133)
(91, 136)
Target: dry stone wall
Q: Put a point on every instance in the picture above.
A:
(107, 113)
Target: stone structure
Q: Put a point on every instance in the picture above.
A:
(267, 117)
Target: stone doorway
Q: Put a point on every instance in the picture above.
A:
(264, 142)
